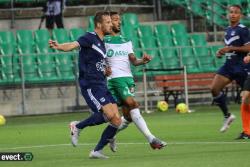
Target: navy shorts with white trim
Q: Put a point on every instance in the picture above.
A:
(97, 96)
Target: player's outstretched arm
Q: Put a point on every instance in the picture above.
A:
(64, 46)
(136, 62)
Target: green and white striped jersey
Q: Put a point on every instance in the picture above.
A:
(117, 50)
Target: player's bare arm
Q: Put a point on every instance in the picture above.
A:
(136, 62)
(64, 46)
(222, 51)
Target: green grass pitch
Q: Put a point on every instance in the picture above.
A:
(193, 140)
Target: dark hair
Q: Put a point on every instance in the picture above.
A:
(111, 13)
(236, 5)
(99, 17)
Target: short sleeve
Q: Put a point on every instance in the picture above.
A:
(84, 41)
(130, 47)
(245, 36)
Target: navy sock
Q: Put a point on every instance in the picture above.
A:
(107, 134)
(95, 119)
(221, 102)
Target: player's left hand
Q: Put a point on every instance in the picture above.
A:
(247, 59)
(108, 71)
(146, 58)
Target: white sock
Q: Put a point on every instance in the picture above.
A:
(123, 125)
(141, 124)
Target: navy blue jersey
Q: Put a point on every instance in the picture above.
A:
(91, 59)
(236, 36)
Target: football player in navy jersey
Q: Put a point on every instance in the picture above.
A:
(237, 44)
(92, 81)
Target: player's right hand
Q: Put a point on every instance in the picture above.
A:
(223, 51)
(247, 59)
(53, 44)
(218, 54)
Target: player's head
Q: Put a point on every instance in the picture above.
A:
(235, 13)
(102, 22)
(116, 21)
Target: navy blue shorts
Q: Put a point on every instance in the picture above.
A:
(234, 72)
(97, 96)
(247, 85)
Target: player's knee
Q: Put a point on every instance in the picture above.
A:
(215, 91)
(132, 104)
(245, 99)
(109, 115)
(116, 120)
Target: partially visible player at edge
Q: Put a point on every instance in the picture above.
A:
(92, 81)
(245, 104)
(237, 41)
(121, 83)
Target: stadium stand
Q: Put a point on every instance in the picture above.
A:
(25, 54)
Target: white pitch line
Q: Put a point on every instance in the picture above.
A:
(135, 143)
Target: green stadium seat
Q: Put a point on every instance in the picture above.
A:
(155, 62)
(7, 37)
(91, 25)
(25, 36)
(47, 68)
(25, 48)
(41, 36)
(170, 64)
(136, 43)
(165, 41)
(207, 64)
(205, 59)
(6, 70)
(65, 66)
(169, 53)
(162, 30)
(7, 49)
(43, 47)
(129, 32)
(216, 7)
(5, 2)
(130, 19)
(75, 33)
(170, 59)
(191, 64)
(178, 29)
(16, 68)
(60, 35)
(186, 52)
(198, 39)
(245, 21)
(196, 7)
(31, 74)
(202, 51)
(145, 30)
(148, 43)
(178, 2)
(156, 59)
(138, 53)
(181, 40)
